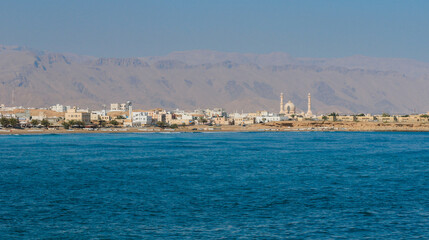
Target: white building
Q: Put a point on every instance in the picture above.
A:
(215, 112)
(120, 106)
(186, 117)
(179, 112)
(141, 118)
(83, 110)
(270, 117)
(98, 115)
(59, 108)
(198, 112)
(238, 115)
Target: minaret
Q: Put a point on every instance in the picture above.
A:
(130, 110)
(282, 110)
(309, 113)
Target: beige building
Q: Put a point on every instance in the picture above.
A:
(255, 114)
(244, 121)
(72, 114)
(120, 106)
(222, 121)
(127, 123)
(366, 118)
(157, 115)
(346, 118)
(179, 121)
(424, 119)
(328, 118)
(386, 119)
(404, 119)
(105, 118)
(411, 118)
(95, 116)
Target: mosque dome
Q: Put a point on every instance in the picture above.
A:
(289, 108)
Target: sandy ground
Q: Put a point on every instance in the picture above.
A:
(272, 127)
(345, 126)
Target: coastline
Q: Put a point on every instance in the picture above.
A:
(285, 126)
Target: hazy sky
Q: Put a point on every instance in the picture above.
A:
(144, 28)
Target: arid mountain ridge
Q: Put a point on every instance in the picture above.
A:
(203, 79)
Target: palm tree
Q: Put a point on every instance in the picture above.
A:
(102, 123)
(161, 124)
(114, 123)
(80, 124)
(203, 120)
(34, 122)
(66, 125)
(72, 122)
(13, 122)
(45, 123)
(4, 122)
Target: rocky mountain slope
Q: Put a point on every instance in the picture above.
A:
(202, 78)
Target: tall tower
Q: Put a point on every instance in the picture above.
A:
(309, 113)
(282, 110)
(130, 110)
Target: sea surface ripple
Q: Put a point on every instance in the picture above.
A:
(299, 185)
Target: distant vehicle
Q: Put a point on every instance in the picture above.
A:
(194, 129)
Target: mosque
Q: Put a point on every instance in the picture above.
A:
(289, 108)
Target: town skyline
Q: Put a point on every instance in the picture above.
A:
(123, 116)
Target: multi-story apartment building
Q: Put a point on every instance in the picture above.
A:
(215, 112)
(72, 114)
(59, 108)
(120, 106)
(140, 119)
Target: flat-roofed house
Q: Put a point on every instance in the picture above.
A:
(366, 118)
(72, 114)
(386, 119)
(346, 118)
(140, 119)
(95, 116)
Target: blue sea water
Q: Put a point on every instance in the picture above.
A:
(300, 185)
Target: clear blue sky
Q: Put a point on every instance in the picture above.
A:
(145, 28)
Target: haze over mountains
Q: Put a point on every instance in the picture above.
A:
(203, 78)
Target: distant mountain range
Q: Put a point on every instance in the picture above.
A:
(205, 79)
